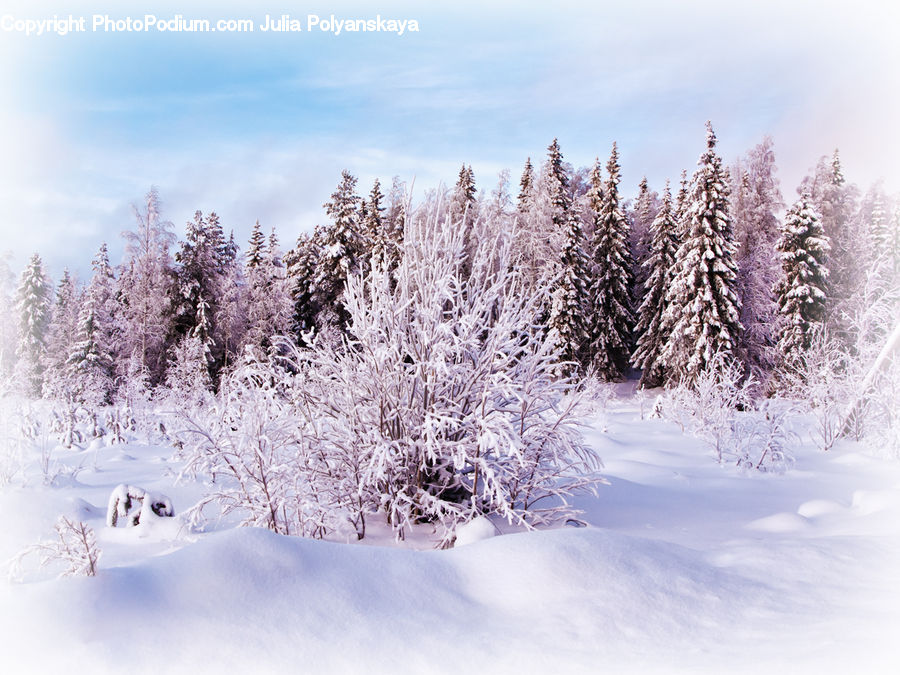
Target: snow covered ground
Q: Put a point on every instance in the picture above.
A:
(685, 566)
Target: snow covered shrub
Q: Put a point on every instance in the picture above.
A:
(261, 455)
(445, 391)
(75, 546)
(763, 439)
(136, 504)
(707, 405)
(819, 381)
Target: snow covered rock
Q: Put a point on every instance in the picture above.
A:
(475, 530)
(136, 504)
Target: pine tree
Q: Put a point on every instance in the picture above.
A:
(302, 264)
(611, 321)
(269, 305)
(526, 188)
(702, 315)
(255, 248)
(641, 218)
(834, 200)
(567, 322)
(204, 258)
(374, 227)
(660, 264)
(58, 343)
(33, 313)
(801, 291)
(342, 248)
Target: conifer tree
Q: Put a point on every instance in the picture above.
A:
(60, 332)
(269, 306)
(567, 323)
(526, 188)
(702, 315)
(33, 313)
(255, 248)
(801, 291)
(660, 263)
(611, 321)
(342, 249)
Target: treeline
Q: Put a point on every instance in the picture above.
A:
(716, 264)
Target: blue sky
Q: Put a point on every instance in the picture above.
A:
(260, 125)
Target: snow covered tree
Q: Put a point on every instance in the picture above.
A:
(255, 249)
(91, 359)
(8, 327)
(144, 284)
(757, 200)
(611, 321)
(702, 316)
(835, 202)
(202, 261)
(269, 305)
(567, 323)
(526, 188)
(801, 291)
(641, 217)
(60, 333)
(33, 314)
(342, 248)
(660, 265)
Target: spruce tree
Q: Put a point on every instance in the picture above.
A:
(611, 321)
(60, 332)
(702, 315)
(33, 314)
(567, 323)
(801, 291)
(526, 188)
(651, 336)
(255, 247)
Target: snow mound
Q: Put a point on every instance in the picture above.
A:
(475, 530)
(819, 507)
(780, 523)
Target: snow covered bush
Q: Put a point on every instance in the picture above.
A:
(440, 404)
(75, 546)
(448, 391)
(260, 453)
(707, 404)
(136, 504)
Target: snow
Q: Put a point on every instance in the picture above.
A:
(685, 565)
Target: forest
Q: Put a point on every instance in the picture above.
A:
(427, 361)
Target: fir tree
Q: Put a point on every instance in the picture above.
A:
(526, 188)
(702, 315)
(342, 248)
(255, 248)
(60, 332)
(567, 323)
(660, 264)
(33, 313)
(611, 321)
(801, 291)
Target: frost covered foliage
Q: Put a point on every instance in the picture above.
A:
(257, 447)
(440, 405)
(718, 407)
(75, 547)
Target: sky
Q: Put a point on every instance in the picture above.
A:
(259, 125)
